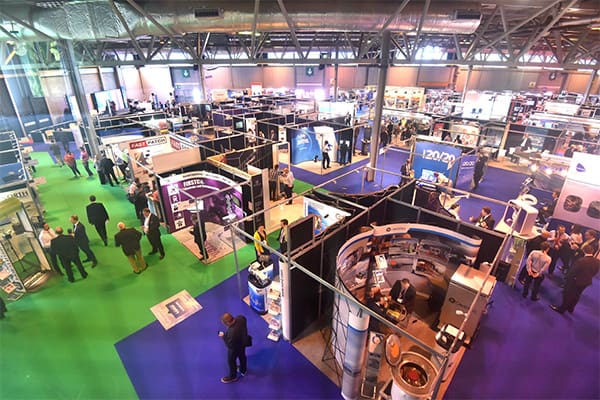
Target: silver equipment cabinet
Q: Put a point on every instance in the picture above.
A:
(463, 288)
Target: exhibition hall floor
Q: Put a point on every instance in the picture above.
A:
(96, 338)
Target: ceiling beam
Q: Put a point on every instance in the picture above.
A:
(291, 27)
(121, 19)
(393, 16)
(254, 23)
(420, 27)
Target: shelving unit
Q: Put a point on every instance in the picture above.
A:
(274, 311)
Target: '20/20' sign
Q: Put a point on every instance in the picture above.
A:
(436, 155)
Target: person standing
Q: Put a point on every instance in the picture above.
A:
(538, 262)
(404, 293)
(56, 153)
(236, 340)
(152, 231)
(578, 278)
(72, 163)
(97, 216)
(65, 248)
(485, 219)
(344, 152)
(140, 202)
(85, 160)
(82, 240)
(326, 161)
(99, 170)
(282, 238)
(122, 165)
(288, 183)
(45, 237)
(129, 240)
(406, 172)
(199, 232)
(273, 180)
(560, 248)
(260, 239)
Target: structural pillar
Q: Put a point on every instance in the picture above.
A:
(466, 88)
(335, 83)
(202, 81)
(385, 60)
(589, 86)
(70, 65)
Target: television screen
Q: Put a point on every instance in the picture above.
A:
(427, 175)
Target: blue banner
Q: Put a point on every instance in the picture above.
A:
(431, 157)
(466, 168)
(304, 145)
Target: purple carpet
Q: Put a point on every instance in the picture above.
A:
(527, 351)
(188, 361)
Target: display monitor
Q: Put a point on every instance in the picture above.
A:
(427, 175)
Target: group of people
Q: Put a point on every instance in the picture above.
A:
(285, 178)
(577, 252)
(65, 246)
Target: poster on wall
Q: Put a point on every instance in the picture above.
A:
(579, 202)
(469, 134)
(430, 157)
(217, 205)
(325, 215)
(141, 152)
(305, 145)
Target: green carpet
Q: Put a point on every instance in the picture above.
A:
(58, 343)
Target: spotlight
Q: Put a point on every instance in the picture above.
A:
(534, 167)
(548, 171)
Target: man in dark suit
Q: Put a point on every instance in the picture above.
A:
(65, 248)
(97, 216)
(199, 232)
(129, 240)
(282, 238)
(82, 240)
(152, 231)
(236, 340)
(579, 277)
(404, 293)
(108, 167)
(485, 219)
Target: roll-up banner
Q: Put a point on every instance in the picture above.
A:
(466, 168)
(305, 145)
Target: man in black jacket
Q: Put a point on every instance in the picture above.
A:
(97, 216)
(199, 232)
(236, 339)
(107, 165)
(152, 231)
(82, 240)
(404, 293)
(129, 240)
(65, 248)
(579, 277)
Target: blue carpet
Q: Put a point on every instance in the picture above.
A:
(527, 351)
(188, 361)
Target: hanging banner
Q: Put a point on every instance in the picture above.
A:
(219, 207)
(325, 215)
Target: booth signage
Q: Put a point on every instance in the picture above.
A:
(434, 157)
(305, 145)
(466, 168)
(217, 205)
(153, 141)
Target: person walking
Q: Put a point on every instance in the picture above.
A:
(140, 202)
(72, 163)
(65, 248)
(99, 170)
(288, 184)
(107, 165)
(56, 153)
(85, 160)
(538, 262)
(579, 277)
(82, 240)
(46, 235)
(479, 170)
(152, 230)
(236, 340)
(199, 232)
(97, 216)
(129, 240)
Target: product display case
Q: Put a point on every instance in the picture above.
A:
(23, 259)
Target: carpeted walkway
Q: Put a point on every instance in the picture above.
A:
(187, 361)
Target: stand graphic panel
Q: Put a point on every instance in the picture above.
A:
(175, 309)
